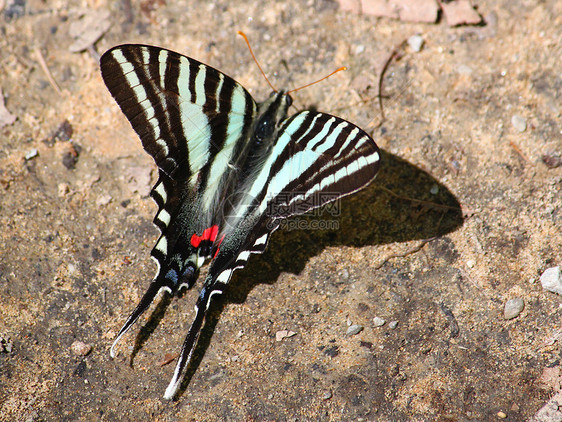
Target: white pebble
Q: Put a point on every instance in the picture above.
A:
(31, 154)
(80, 348)
(393, 324)
(519, 123)
(415, 42)
(103, 200)
(378, 321)
(464, 70)
(513, 308)
(353, 329)
(280, 335)
(470, 263)
(550, 280)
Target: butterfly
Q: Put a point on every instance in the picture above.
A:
(230, 170)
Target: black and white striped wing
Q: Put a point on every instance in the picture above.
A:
(194, 121)
(317, 159)
(184, 111)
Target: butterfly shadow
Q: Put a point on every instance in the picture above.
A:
(404, 203)
(150, 326)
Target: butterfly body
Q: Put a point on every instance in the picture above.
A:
(230, 170)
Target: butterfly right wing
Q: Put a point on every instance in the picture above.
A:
(194, 121)
(316, 159)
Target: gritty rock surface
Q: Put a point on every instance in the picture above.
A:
(77, 222)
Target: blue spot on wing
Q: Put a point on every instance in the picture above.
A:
(172, 275)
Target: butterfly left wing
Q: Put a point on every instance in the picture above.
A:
(194, 121)
(316, 159)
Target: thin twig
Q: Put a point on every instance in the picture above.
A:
(518, 151)
(383, 71)
(43, 65)
(168, 358)
(419, 201)
(405, 254)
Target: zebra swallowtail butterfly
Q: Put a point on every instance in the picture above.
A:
(230, 169)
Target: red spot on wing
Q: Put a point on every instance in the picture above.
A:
(209, 233)
(218, 247)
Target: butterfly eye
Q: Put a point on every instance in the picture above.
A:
(264, 129)
(289, 100)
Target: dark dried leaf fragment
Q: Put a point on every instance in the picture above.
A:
(70, 158)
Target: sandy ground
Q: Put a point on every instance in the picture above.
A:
(472, 122)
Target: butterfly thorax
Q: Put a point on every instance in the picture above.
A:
(271, 113)
(262, 136)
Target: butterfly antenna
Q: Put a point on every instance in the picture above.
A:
(319, 80)
(256, 60)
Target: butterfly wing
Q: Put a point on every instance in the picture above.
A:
(193, 120)
(316, 159)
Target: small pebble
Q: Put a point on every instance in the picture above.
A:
(32, 153)
(464, 70)
(501, 415)
(353, 330)
(393, 324)
(552, 161)
(519, 123)
(63, 189)
(71, 268)
(280, 335)
(5, 344)
(378, 321)
(327, 395)
(470, 263)
(434, 190)
(415, 42)
(513, 308)
(103, 200)
(80, 348)
(551, 281)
